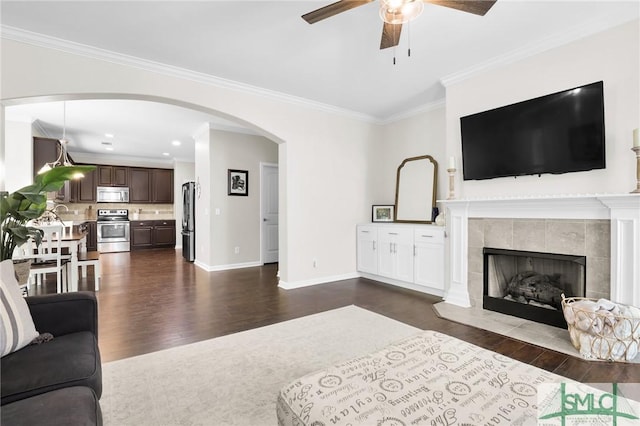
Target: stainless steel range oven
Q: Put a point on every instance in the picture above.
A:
(113, 230)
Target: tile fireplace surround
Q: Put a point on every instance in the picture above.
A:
(621, 212)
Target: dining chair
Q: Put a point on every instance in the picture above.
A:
(90, 258)
(47, 257)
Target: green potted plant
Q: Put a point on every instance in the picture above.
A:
(19, 207)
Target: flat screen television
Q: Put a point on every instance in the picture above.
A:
(558, 133)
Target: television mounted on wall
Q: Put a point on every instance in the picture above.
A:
(558, 133)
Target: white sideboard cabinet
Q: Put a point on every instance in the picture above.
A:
(406, 255)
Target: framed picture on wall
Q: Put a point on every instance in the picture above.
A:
(382, 214)
(238, 182)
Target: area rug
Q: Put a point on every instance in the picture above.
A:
(235, 379)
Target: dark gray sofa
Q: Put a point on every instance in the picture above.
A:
(60, 381)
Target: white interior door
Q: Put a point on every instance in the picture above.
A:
(269, 197)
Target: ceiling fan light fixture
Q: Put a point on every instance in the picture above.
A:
(400, 11)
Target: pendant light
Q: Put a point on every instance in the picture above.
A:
(63, 157)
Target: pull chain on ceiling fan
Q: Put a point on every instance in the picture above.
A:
(395, 13)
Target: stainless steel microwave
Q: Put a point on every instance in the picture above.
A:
(112, 194)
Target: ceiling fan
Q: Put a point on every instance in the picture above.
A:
(394, 13)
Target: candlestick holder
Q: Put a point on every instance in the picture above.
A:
(636, 149)
(452, 192)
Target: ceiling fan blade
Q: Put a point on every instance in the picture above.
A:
(477, 7)
(333, 9)
(390, 35)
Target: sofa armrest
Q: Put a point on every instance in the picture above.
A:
(64, 313)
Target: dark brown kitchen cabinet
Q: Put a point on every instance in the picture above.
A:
(46, 150)
(83, 190)
(150, 185)
(146, 234)
(112, 176)
(91, 228)
(162, 186)
(141, 234)
(164, 233)
(139, 185)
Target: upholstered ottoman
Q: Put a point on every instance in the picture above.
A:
(76, 406)
(430, 378)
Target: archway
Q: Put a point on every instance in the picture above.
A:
(157, 99)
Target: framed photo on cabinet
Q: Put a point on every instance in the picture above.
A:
(382, 214)
(238, 182)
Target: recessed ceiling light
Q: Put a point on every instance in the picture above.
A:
(108, 148)
(176, 143)
(108, 135)
(165, 153)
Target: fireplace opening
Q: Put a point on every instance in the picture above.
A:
(529, 285)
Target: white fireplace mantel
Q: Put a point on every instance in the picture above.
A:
(623, 210)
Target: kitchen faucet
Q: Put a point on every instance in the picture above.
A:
(60, 205)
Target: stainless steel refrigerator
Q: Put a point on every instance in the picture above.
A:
(189, 221)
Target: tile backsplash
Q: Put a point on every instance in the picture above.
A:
(88, 211)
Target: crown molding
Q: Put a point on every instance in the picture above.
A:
(37, 124)
(41, 40)
(123, 160)
(572, 34)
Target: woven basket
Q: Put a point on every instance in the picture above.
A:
(610, 332)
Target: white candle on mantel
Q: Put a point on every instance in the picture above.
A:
(452, 161)
(636, 138)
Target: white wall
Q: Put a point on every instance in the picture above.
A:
(421, 134)
(19, 154)
(238, 224)
(203, 200)
(326, 152)
(611, 56)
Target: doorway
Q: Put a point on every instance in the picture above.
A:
(269, 212)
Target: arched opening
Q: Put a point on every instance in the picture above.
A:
(211, 212)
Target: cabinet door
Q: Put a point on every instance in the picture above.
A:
(386, 254)
(367, 249)
(141, 234)
(92, 236)
(45, 150)
(119, 176)
(162, 186)
(112, 176)
(139, 185)
(395, 256)
(429, 259)
(104, 175)
(429, 265)
(164, 233)
(85, 188)
(404, 260)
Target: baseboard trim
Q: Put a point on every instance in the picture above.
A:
(215, 268)
(315, 281)
(410, 286)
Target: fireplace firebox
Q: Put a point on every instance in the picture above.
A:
(530, 285)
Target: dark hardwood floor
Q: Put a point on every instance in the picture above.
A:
(152, 300)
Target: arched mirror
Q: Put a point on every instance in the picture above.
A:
(416, 184)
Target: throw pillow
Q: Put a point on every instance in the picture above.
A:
(16, 325)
